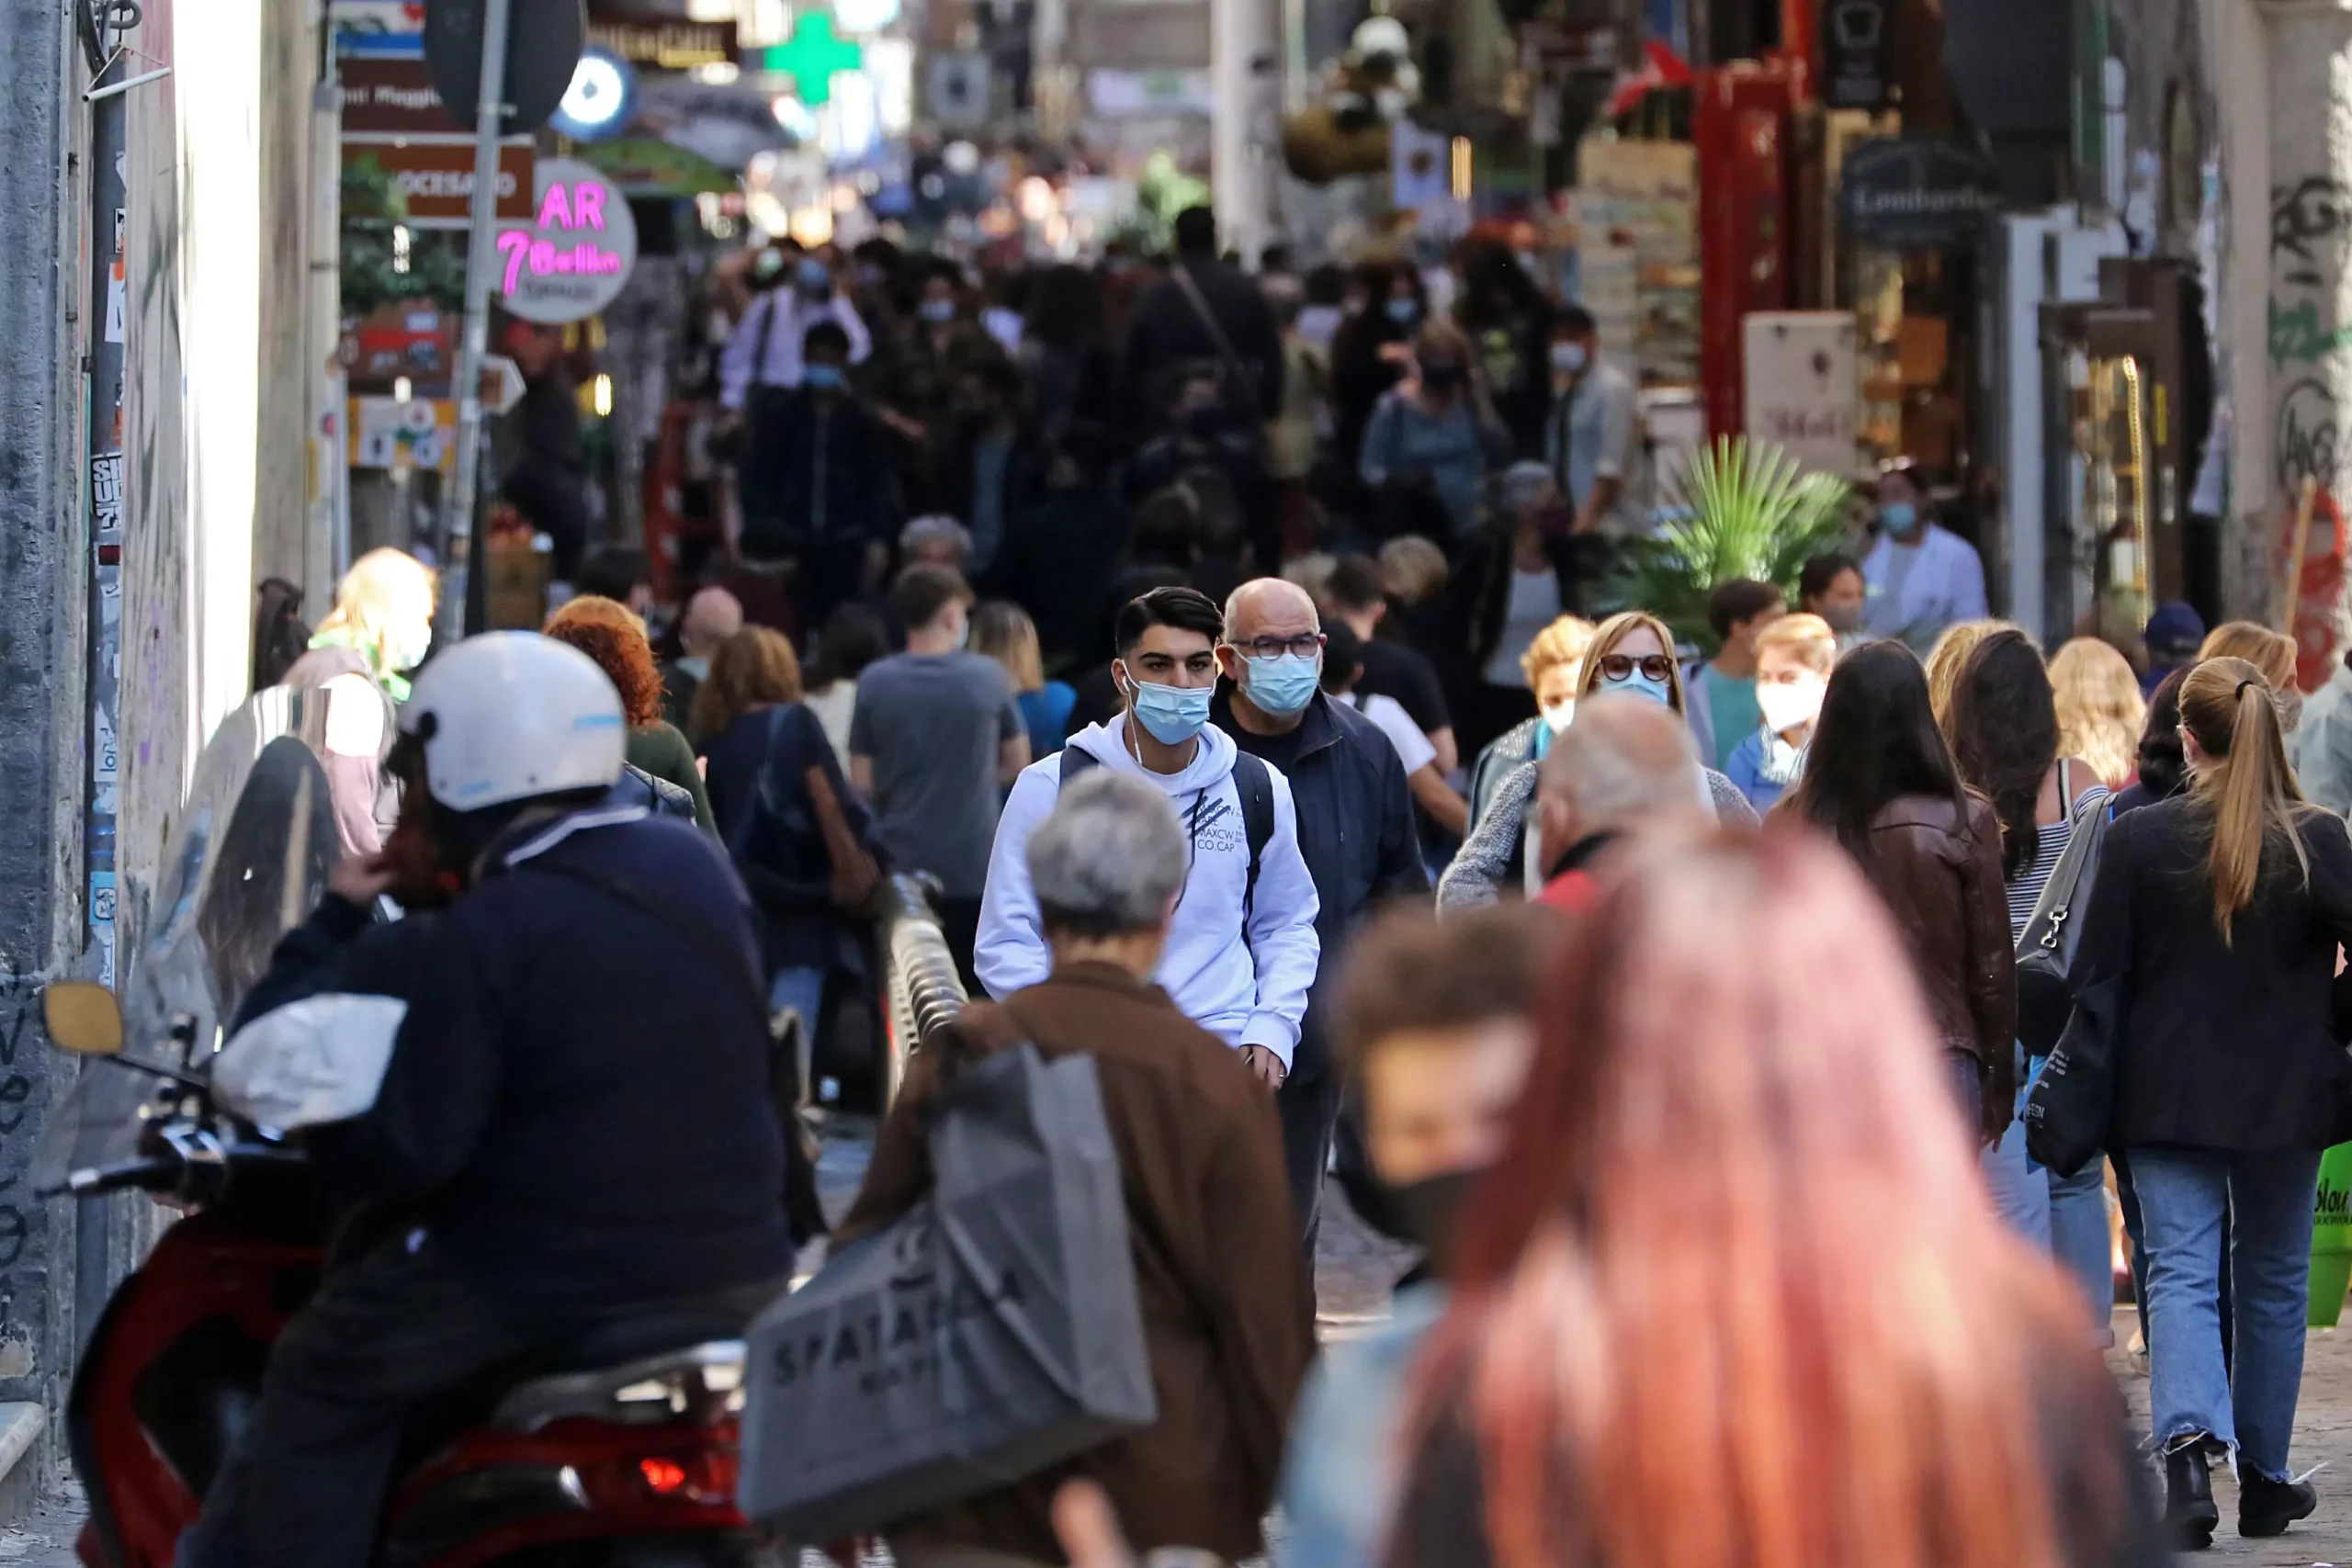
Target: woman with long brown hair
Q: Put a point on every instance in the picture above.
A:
(609, 632)
(1734, 1298)
(2209, 953)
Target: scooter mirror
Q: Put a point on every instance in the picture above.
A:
(83, 1017)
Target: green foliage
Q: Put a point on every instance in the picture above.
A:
(372, 208)
(1738, 511)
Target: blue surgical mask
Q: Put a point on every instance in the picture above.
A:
(1284, 684)
(822, 378)
(1640, 685)
(938, 311)
(1567, 357)
(1405, 311)
(1172, 714)
(815, 279)
(1899, 516)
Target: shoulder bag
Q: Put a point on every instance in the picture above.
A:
(2046, 947)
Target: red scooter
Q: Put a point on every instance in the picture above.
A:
(615, 1451)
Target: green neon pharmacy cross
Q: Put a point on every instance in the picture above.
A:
(813, 57)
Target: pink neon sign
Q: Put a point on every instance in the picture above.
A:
(577, 205)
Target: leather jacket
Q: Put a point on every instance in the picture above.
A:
(1942, 879)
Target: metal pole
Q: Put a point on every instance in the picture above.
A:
(481, 258)
(327, 548)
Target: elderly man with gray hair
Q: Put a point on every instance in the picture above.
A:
(1218, 1263)
(1626, 764)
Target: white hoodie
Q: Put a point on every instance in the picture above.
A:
(1252, 991)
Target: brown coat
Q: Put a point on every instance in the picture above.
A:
(1218, 1268)
(1941, 880)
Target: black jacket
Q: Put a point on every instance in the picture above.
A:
(1166, 331)
(816, 474)
(2221, 1047)
(1482, 584)
(578, 1101)
(1356, 831)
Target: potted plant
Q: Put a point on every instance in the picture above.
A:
(1738, 509)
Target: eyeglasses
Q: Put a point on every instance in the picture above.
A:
(1307, 645)
(1621, 666)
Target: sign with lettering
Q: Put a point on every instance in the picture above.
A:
(662, 43)
(1805, 386)
(436, 178)
(394, 97)
(1917, 193)
(1853, 53)
(577, 252)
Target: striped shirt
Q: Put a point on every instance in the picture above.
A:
(2051, 843)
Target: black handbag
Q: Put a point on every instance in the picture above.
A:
(2046, 946)
(2073, 1103)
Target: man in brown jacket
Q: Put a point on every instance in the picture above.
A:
(1218, 1265)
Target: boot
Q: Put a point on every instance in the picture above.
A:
(2189, 1513)
(2268, 1508)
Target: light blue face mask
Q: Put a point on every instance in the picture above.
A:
(1900, 517)
(1172, 714)
(822, 378)
(937, 311)
(1640, 685)
(1284, 684)
(1404, 311)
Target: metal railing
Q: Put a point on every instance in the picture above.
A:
(922, 990)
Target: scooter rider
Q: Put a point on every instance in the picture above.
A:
(560, 1079)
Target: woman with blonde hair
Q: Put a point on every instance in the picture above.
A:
(2100, 709)
(1005, 632)
(1554, 665)
(1793, 658)
(1631, 654)
(383, 611)
(2271, 652)
(766, 754)
(2208, 954)
(380, 628)
(1950, 656)
(607, 631)
(1733, 1192)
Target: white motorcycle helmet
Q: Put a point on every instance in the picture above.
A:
(511, 716)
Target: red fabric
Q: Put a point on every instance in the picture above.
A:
(1571, 892)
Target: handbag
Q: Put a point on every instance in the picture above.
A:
(2073, 1102)
(2046, 947)
(857, 875)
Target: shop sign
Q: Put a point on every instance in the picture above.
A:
(1915, 193)
(393, 98)
(389, 434)
(436, 178)
(1804, 387)
(1853, 53)
(573, 258)
(662, 43)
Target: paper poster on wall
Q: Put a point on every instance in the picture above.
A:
(1803, 386)
(419, 433)
(574, 258)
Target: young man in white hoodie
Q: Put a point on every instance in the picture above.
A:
(1241, 949)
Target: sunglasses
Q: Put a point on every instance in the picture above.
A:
(1621, 666)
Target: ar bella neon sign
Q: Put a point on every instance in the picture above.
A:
(576, 208)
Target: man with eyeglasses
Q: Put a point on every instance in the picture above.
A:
(1356, 824)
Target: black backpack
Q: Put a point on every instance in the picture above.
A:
(1253, 779)
(279, 637)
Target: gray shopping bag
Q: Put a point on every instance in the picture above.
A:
(991, 1333)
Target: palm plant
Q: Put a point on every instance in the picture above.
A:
(1738, 509)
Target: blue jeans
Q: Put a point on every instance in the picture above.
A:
(2066, 1216)
(801, 991)
(2266, 1198)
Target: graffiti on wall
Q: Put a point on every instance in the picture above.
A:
(2311, 365)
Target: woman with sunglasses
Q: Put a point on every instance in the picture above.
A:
(1632, 655)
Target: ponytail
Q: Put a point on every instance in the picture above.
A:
(2253, 790)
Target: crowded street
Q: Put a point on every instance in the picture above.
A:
(1175, 783)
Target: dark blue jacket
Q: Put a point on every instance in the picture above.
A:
(1356, 831)
(819, 474)
(578, 1099)
(778, 845)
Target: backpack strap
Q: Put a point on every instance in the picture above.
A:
(1254, 782)
(1075, 762)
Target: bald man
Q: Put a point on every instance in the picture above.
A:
(1625, 764)
(712, 616)
(1356, 824)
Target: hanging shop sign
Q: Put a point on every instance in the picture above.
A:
(1853, 53)
(548, 35)
(1915, 193)
(389, 434)
(1803, 370)
(601, 99)
(436, 178)
(661, 43)
(393, 98)
(574, 256)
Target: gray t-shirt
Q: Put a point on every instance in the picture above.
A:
(933, 723)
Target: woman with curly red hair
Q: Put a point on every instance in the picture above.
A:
(608, 633)
(1734, 1297)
